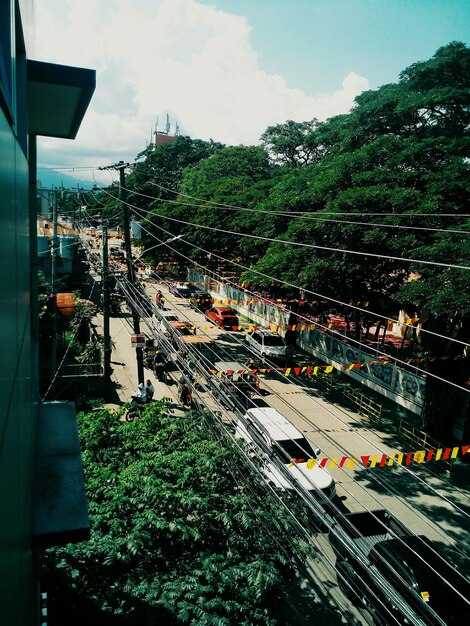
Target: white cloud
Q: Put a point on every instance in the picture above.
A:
(177, 56)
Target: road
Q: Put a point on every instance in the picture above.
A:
(425, 502)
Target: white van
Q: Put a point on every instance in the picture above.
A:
(268, 344)
(270, 430)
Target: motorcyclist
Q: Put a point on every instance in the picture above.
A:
(159, 364)
(140, 396)
(159, 299)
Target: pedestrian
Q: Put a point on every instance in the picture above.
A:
(150, 390)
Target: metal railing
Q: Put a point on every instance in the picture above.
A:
(76, 370)
(324, 381)
(364, 405)
(421, 440)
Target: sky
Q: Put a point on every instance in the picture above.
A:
(227, 69)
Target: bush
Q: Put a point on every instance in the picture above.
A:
(180, 530)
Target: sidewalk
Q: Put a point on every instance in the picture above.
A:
(124, 380)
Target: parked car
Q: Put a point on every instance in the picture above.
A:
(269, 344)
(288, 456)
(223, 316)
(425, 578)
(162, 322)
(181, 290)
(200, 300)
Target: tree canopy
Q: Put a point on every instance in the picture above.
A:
(182, 530)
(372, 194)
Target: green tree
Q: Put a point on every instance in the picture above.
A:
(181, 531)
(156, 180)
(294, 143)
(209, 191)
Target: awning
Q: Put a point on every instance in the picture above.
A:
(60, 513)
(58, 97)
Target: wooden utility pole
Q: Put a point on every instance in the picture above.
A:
(105, 293)
(130, 267)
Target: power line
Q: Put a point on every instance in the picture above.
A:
(436, 553)
(67, 350)
(233, 206)
(334, 332)
(170, 246)
(307, 215)
(318, 295)
(303, 245)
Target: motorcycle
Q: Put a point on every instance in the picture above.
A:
(160, 372)
(134, 409)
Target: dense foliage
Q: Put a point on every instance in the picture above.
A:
(346, 209)
(402, 150)
(180, 531)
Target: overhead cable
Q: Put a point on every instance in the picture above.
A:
(299, 244)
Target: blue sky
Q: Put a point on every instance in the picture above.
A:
(314, 43)
(228, 69)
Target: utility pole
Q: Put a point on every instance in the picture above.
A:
(105, 292)
(130, 267)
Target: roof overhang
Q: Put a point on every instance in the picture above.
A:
(60, 513)
(58, 97)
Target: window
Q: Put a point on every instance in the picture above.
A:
(273, 340)
(298, 449)
(6, 102)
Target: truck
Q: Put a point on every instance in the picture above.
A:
(373, 545)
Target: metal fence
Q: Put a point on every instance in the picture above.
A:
(421, 440)
(76, 370)
(364, 405)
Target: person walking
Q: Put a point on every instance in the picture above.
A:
(150, 390)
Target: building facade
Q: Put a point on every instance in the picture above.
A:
(34, 100)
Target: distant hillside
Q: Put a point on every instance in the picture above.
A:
(56, 178)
